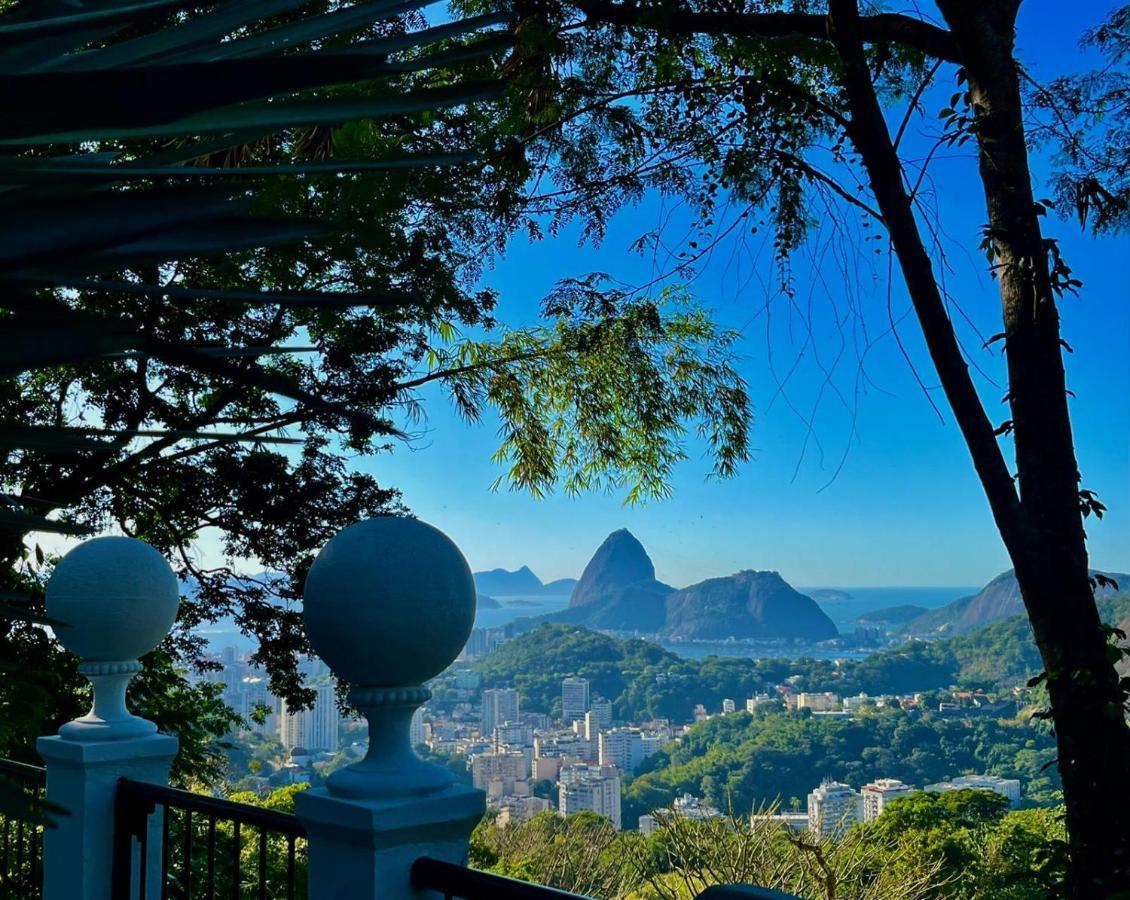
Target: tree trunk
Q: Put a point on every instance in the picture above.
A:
(1092, 737)
(1042, 527)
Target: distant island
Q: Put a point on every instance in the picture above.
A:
(520, 582)
(482, 601)
(618, 591)
(830, 595)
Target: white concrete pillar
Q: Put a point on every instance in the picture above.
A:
(388, 604)
(116, 599)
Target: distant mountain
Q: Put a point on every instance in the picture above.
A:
(619, 562)
(997, 600)
(748, 605)
(485, 602)
(618, 589)
(502, 583)
(892, 615)
(520, 582)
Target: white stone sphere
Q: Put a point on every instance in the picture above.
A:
(116, 597)
(388, 602)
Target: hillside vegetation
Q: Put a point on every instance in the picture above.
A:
(644, 681)
(742, 761)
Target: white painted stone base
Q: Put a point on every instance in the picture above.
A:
(364, 849)
(82, 778)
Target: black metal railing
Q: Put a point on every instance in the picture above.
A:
(209, 848)
(453, 881)
(21, 840)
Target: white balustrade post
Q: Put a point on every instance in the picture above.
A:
(388, 604)
(116, 598)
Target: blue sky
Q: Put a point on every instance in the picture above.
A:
(905, 508)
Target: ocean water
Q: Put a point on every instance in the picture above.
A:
(518, 607)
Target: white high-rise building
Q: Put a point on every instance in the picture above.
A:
(622, 749)
(315, 728)
(879, 793)
(822, 702)
(833, 808)
(1006, 787)
(593, 788)
(416, 728)
(727, 706)
(651, 742)
(513, 735)
(500, 705)
(574, 699)
(757, 700)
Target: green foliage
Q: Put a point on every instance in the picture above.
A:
(982, 850)
(601, 398)
(536, 662)
(957, 846)
(583, 853)
(1085, 124)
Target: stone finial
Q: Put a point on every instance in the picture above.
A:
(117, 598)
(388, 604)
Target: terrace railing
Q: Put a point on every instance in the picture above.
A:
(21, 837)
(209, 847)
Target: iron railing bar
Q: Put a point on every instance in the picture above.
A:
(20, 854)
(262, 864)
(290, 842)
(164, 850)
(187, 853)
(235, 862)
(453, 880)
(143, 859)
(222, 809)
(34, 775)
(3, 867)
(37, 860)
(211, 856)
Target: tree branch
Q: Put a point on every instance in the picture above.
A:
(880, 28)
(871, 137)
